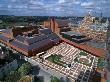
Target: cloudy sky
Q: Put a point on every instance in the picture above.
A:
(54, 7)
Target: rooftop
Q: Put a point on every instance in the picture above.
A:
(29, 40)
(94, 51)
(71, 33)
(62, 23)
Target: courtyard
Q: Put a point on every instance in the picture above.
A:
(70, 61)
(57, 60)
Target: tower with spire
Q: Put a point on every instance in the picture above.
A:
(107, 23)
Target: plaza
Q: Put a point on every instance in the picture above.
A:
(70, 61)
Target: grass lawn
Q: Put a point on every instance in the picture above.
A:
(83, 53)
(76, 60)
(56, 59)
(101, 63)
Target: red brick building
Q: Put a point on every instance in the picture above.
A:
(29, 40)
(87, 48)
(57, 25)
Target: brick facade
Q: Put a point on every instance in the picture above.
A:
(57, 26)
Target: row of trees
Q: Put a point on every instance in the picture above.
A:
(15, 19)
(9, 21)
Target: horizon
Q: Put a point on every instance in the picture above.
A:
(48, 16)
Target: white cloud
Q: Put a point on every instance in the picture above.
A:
(61, 1)
(35, 7)
(13, 6)
(77, 2)
(57, 9)
(36, 2)
(22, 6)
(87, 4)
(9, 6)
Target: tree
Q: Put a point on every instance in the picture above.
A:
(24, 69)
(54, 79)
(25, 79)
(12, 77)
(3, 48)
(37, 79)
(9, 54)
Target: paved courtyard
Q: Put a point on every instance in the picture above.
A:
(78, 71)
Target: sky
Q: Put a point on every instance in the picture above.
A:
(54, 7)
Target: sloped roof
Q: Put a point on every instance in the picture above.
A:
(7, 31)
(20, 38)
(31, 40)
(45, 31)
(35, 39)
(56, 40)
(35, 42)
(19, 45)
(33, 46)
(52, 36)
(4, 38)
(39, 44)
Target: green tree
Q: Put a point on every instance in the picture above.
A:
(9, 54)
(13, 76)
(54, 79)
(24, 69)
(25, 79)
(3, 48)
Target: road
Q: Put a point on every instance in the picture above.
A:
(47, 73)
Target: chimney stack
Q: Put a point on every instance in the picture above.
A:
(52, 24)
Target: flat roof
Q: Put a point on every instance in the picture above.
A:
(95, 51)
(72, 33)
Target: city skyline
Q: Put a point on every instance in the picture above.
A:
(54, 7)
